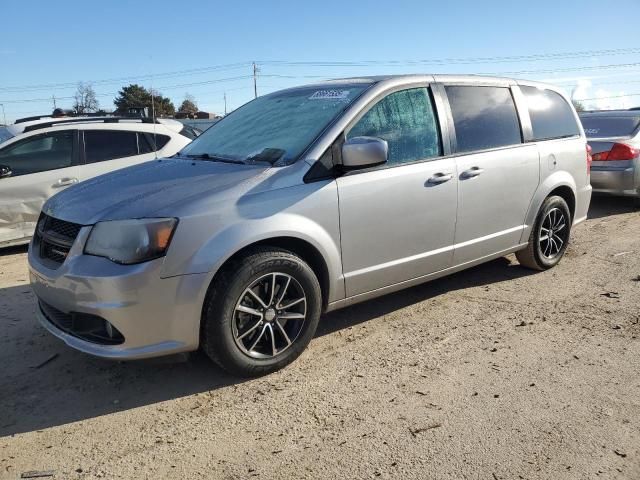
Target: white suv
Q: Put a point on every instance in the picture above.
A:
(43, 156)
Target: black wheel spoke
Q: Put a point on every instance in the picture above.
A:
(553, 233)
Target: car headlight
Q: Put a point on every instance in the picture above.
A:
(131, 241)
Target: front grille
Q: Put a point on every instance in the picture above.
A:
(87, 327)
(54, 238)
(62, 228)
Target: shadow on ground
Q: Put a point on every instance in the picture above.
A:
(73, 386)
(5, 252)
(43, 383)
(605, 206)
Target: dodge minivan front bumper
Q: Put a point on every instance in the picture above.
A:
(117, 311)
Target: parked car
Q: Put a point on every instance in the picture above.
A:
(304, 201)
(43, 156)
(614, 137)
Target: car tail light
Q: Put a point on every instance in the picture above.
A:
(619, 151)
(589, 158)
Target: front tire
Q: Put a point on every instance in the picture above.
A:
(549, 236)
(261, 312)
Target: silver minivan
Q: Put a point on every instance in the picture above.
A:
(304, 201)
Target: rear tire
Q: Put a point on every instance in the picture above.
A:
(549, 236)
(254, 319)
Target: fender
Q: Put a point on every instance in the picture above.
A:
(308, 213)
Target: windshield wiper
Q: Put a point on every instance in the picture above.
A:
(269, 155)
(214, 158)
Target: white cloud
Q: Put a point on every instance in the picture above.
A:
(601, 98)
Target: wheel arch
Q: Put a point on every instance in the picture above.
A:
(562, 184)
(303, 249)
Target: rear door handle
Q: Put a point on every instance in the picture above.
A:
(63, 182)
(472, 172)
(440, 178)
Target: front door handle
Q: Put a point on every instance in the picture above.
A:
(63, 182)
(440, 178)
(472, 172)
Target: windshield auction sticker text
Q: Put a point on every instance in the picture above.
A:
(330, 95)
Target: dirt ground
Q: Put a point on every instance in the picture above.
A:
(493, 373)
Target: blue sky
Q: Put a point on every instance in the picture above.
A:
(47, 47)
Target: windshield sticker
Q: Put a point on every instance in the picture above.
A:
(330, 95)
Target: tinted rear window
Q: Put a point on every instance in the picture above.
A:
(101, 145)
(150, 142)
(551, 115)
(606, 126)
(484, 117)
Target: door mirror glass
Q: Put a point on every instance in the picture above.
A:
(363, 152)
(5, 171)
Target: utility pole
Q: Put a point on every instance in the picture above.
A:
(225, 104)
(255, 78)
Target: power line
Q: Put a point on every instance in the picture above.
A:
(360, 63)
(177, 73)
(608, 98)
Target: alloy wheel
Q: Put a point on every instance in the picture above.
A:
(269, 315)
(553, 233)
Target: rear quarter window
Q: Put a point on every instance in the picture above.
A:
(150, 142)
(551, 115)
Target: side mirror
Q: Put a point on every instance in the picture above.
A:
(363, 152)
(5, 171)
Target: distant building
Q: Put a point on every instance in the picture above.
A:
(198, 115)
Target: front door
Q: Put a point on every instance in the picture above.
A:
(41, 165)
(397, 222)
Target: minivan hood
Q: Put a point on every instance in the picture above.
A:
(142, 190)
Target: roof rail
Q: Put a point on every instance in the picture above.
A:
(30, 119)
(67, 120)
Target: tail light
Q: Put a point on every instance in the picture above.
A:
(619, 151)
(589, 158)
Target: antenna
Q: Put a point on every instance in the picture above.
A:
(255, 80)
(225, 104)
(153, 118)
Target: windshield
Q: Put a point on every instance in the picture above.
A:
(609, 126)
(275, 128)
(5, 134)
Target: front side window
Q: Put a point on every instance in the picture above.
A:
(275, 128)
(483, 117)
(101, 145)
(39, 153)
(407, 121)
(551, 116)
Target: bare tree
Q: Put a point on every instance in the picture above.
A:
(85, 100)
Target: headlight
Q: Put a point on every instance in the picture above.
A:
(131, 241)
